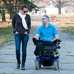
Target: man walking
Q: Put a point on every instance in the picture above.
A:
(21, 24)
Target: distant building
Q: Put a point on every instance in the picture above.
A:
(51, 10)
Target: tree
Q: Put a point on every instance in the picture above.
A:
(11, 6)
(57, 3)
(6, 5)
(2, 10)
(62, 3)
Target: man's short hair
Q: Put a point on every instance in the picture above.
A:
(23, 6)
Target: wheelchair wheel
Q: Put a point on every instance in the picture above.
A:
(56, 64)
(37, 64)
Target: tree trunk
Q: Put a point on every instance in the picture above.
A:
(3, 15)
(59, 10)
(59, 7)
(11, 14)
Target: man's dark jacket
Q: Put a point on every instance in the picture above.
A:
(18, 26)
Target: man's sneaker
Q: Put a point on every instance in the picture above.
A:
(22, 67)
(18, 66)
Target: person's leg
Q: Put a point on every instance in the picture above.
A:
(24, 46)
(17, 45)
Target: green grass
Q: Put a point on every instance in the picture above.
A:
(5, 35)
(69, 29)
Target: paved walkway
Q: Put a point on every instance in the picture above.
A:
(8, 60)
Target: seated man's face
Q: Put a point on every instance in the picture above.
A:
(45, 21)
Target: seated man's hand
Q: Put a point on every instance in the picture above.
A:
(57, 41)
(34, 40)
(36, 36)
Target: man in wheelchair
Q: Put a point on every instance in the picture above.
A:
(47, 36)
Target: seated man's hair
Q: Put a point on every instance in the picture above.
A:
(45, 16)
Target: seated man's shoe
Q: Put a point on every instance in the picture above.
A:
(18, 66)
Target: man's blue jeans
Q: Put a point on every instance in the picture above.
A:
(21, 39)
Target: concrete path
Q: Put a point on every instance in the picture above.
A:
(8, 60)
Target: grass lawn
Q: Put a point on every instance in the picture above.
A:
(69, 29)
(5, 35)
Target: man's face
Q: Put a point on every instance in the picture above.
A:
(25, 10)
(45, 20)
